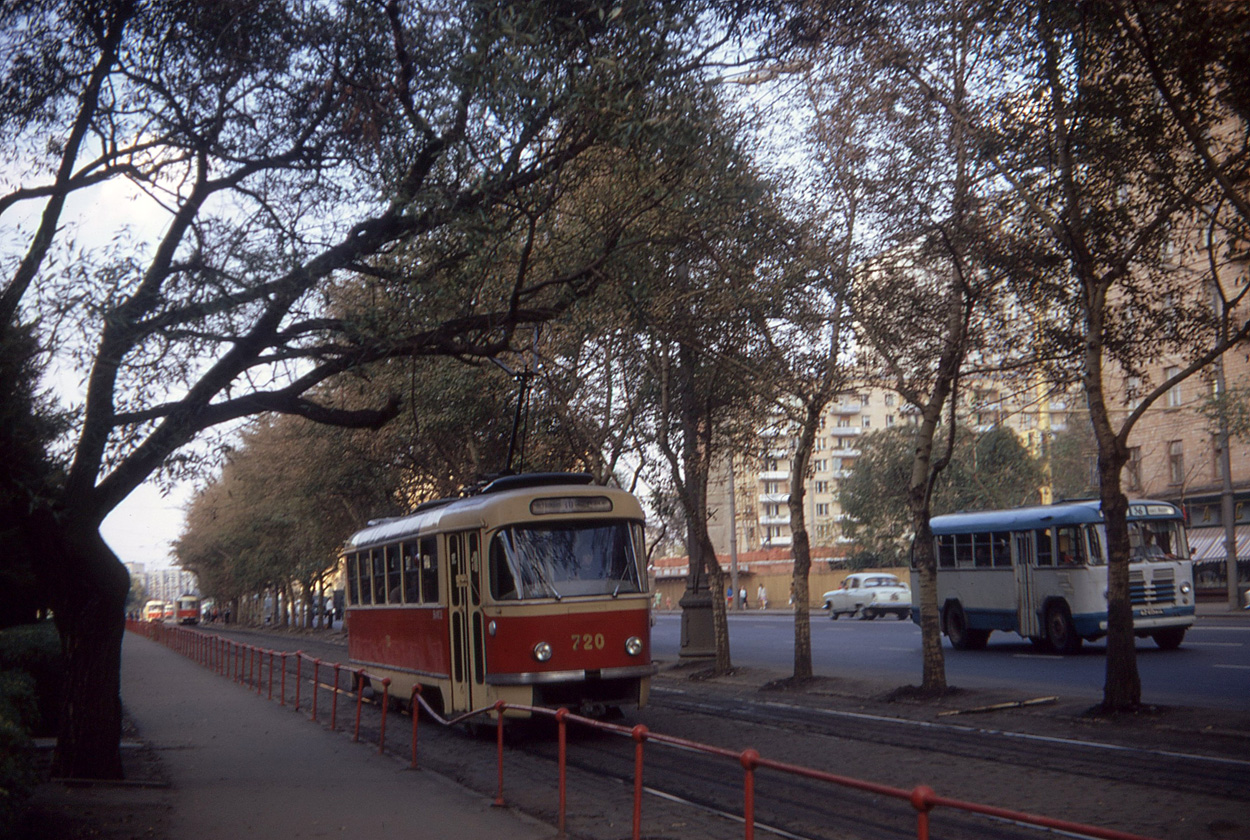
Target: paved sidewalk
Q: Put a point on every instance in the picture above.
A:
(243, 767)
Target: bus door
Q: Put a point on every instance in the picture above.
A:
(468, 666)
(1029, 625)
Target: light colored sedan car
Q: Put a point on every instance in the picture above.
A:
(868, 595)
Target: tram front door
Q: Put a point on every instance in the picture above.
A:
(468, 666)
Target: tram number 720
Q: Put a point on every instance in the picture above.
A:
(586, 641)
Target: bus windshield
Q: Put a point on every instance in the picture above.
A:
(1156, 540)
(555, 561)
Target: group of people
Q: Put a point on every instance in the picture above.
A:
(761, 597)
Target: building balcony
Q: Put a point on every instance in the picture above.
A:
(774, 498)
(846, 408)
(777, 542)
(845, 431)
(774, 475)
(778, 519)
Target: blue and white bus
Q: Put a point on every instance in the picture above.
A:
(1041, 572)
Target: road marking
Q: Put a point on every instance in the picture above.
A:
(1037, 656)
(1215, 644)
(1234, 667)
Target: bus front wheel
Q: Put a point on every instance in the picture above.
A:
(1169, 638)
(1060, 631)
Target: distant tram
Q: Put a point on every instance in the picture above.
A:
(1042, 572)
(187, 609)
(154, 611)
(532, 591)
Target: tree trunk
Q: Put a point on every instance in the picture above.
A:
(89, 586)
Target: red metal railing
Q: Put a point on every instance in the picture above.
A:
(229, 658)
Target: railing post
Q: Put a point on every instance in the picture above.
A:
(299, 678)
(386, 703)
(316, 682)
(360, 698)
(562, 735)
(271, 654)
(499, 707)
(922, 800)
(415, 705)
(282, 682)
(639, 733)
(334, 699)
(750, 760)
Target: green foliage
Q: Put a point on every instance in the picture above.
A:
(30, 679)
(17, 765)
(35, 649)
(988, 470)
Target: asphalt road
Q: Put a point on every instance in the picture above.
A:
(1211, 669)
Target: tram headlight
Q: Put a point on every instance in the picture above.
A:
(542, 651)
(633, 645)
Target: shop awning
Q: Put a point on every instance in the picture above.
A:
(1207, 544)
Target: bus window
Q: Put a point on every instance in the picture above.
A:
(963, 549)
(394, 588)
(1001, 541)
(366, 583)
(981, 548)
(379, 576)
(429, 570)
(1045, 548)
(412, 574)
(1097, 557)
(1071, 549)
(946, 551)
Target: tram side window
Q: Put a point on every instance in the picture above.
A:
(412, 574)
(379, 576)
(353, 579)
(394, 586)
(1045, 548)
(502, 583)
(946, 551)
(366, 583)
(429, 570)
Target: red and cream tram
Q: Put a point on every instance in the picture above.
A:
(187, 609)
(531, 591)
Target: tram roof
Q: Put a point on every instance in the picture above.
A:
(1043, 516)
(505, 501)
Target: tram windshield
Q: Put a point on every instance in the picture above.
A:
(555, 561)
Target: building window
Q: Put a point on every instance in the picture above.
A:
(844, 422)
(822, 487)
(863, 399)
(822, 509)
(1174, 393)
(1132, 391)
(818, 465)
(867, 422)
(889, 400)
(1132, 469)
(889, 419)
(1176, 462)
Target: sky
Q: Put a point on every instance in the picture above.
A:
(143, 527)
